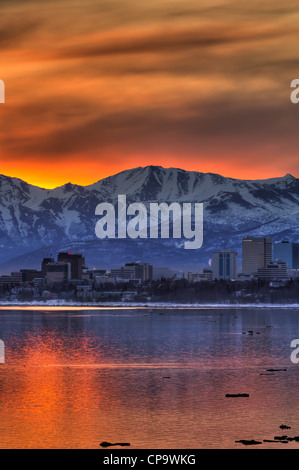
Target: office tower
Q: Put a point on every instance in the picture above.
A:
(256, 253)
(273, 271)
(76, 261)
(138, 271)
(288, 252)
(57, 273)
(44, 264)
(225, 264)
(295, 255)
(147, 272)
(134, 271)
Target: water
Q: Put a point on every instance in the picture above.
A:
(156, 378)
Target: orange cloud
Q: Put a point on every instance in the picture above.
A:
(95, 89)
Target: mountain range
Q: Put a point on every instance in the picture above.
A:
(35, 222)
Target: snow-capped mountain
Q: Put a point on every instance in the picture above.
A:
(36, 221)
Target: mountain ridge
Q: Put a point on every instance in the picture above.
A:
(145, 167)
(33, 219)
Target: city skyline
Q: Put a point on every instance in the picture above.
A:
(261, 254)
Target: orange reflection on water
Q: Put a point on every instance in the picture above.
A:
(50, 407)
(154, 381)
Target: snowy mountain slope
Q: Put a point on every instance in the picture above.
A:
(32, 218)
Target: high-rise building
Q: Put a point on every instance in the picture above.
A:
(116, 272)
(147, 272)
(273, 271)
(57, 273)
(225, 264)
(256, 253)
(44, 264)
(134, 271)
(138, 271)
(295, 255)
(288, 252)
(76, 261)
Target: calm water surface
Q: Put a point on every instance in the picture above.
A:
(155, 378)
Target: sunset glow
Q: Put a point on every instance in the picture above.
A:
(96, 88)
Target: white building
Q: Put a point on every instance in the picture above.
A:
(225, 264)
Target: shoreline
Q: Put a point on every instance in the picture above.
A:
(140, 305)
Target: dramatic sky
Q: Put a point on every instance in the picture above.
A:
(95, 87)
